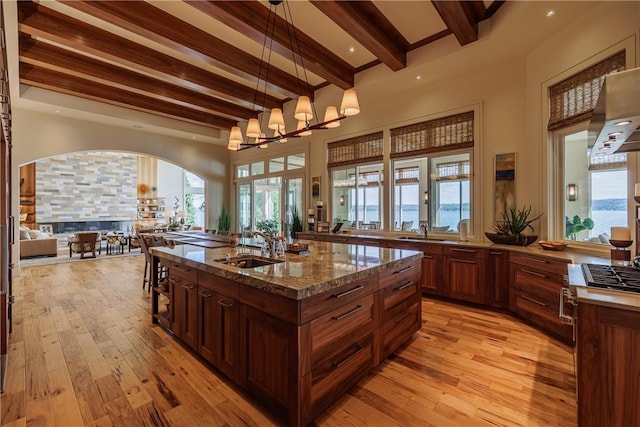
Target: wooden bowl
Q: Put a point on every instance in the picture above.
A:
(621, 243)
(553, 245)
(511, 239)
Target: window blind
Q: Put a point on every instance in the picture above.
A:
(361, 149)
(608, 161)
(445, 133)
(572, 100)
(453, 170)
(408, 175)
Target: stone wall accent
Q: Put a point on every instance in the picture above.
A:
(89, 186)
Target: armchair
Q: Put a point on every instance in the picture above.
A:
(85, 241)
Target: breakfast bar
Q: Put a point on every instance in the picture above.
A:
(298, 331)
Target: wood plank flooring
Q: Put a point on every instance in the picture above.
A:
(83, 352)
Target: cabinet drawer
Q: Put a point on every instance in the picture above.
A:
(537, 282)
(183, 271)
(539, 263)
(400, 274)
(460, 252)
(316, 306)
(541, 312)
(330, 328)
(338, 373)
(400, 323)
(400, 290)
(219, 284)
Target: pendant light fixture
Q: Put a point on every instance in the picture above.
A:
(305, 110)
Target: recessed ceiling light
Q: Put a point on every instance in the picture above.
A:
(418, 77)
(352, 49)
(137, 126)
(57, 111)
(623, 123)
(550, 13)
(193, 137)
(614, 134)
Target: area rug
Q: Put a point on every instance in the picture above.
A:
(63, 256)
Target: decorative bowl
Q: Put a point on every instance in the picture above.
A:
(512, 239)
(621, 243)
(553, 245)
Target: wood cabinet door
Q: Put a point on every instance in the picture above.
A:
(185, 311)
(207, 337)
(465, 275)
(431, 276)
(227, 325)
(498, 278)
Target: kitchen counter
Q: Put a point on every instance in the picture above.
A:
(598, 296)
(326, 266)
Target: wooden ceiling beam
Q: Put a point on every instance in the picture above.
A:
(363, 21)
(148, 21)
(461, 17)
(46, 56)
(71, 85)
(39, 21)
(250, 18)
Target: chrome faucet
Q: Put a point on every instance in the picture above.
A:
(271, 247)
(425, 227)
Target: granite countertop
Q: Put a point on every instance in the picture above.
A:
(324, 267)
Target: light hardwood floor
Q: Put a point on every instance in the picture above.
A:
(83, 352)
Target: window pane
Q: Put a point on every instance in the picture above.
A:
(267, 199)
(295, 161)
(343, 196)
(193, 181)
(257, 168)
(450, 196)
(244, 206)
(194, 203)
(276, 165)
(357, 196)
(594, 190)
(242, 171)
(410, 181)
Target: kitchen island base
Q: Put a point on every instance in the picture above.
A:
(297, 356)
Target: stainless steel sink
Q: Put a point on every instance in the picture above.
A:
(421, 239)
(248, 261)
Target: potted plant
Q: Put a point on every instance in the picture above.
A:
(510, 230)
(296, 225)
(573, 227)
(224, 220)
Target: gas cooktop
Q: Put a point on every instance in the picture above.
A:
(619, 278)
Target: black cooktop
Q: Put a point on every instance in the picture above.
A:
(619, 278)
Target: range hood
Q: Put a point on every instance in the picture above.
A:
(615, 124)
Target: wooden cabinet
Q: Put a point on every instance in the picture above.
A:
(498, 278)
(431, 270)
(185, 310)
(464, 275)
(219, 323)
(28, 196)
(534, 293)
(608, 370)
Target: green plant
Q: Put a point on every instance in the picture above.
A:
(224, 220)
(296, 225)
(573, 227)
(515, 221)
(269, 226)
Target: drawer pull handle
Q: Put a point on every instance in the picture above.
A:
(206, 294)
(348, 313)
(184, 270)
(535, 301)
(402, 270)
(495, 253)
(535, 273)
(405, 317)
(540, 261)
(464, 261)
(189, 286)
(225, 304)
(405, 286)
(358, 349)
(342, 294)
(427, 256)
(470, 251)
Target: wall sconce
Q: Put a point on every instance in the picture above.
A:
(572, 192)
(426, 197)
(342, 200)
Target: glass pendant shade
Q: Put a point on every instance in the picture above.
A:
(331, 113)
(301, 125)
(276, 119)
(350, 105)
(253, 128)
(303, 109)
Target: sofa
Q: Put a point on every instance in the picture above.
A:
(35, 243)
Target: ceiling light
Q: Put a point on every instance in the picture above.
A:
(352, 49)
(304, 111)
(614, 134)
(623, 123)
(550, 13)
(418, 77)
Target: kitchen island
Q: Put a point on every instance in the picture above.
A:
(295, 334)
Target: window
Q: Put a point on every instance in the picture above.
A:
(295, 161)
(242, 171)
(257, 168)
(276, 165)
(194, 201)
(594, 189)
(409, 209)
(357, 196)
(450, 192)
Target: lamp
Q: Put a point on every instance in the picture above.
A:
(304, 111)
(426, 197)
(572, 192)
(181, 215)
(342, 200)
